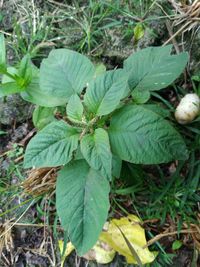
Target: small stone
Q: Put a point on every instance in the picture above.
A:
(14, 109)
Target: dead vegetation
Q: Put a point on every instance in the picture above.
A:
(40, 181)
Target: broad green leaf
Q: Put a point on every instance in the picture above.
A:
(52, 146)
(105, 92)
(36, 96)
(82, 201)
(42, 116)
(139, 135)
(65, 73)
(9, 89)
(2, 53)
(153, 68)
(78, 155)
(99, 69)
(158, 109)
(96, 150)
(116, 166)
(75, 108)
(140, 96)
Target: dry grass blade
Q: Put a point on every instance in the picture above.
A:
(6, 240)
(188, 16)
(40, 181)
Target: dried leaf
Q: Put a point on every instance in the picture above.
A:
(68, 250)
(134, 233)
(102, 253)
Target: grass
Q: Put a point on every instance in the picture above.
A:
(164, 195)
(85, 27)
(158, 196)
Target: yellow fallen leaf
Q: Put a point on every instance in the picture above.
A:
(102, 253)
(134, 233)
(68, 250)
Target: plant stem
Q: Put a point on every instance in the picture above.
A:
(76, 123)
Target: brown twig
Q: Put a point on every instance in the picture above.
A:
(158, 237)
(27, 137)
(176, 33)
(17, 160)
(173, 38)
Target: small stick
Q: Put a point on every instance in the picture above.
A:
(29, 135)
(17, 160)
(158, 237)
(176, 33)
(173, 39)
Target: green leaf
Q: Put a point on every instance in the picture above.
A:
(75, 108)
(52, 146)
(35, 95)
(96, 150)
(99, 69)
(177, 244)
(158, 109)
(31, 92)
(78, 155)
(82, 201)
(25, 70)
(153, 68)
(116, 166)
(138, 32)
(65, 73)
(196, 78)
(9, 86)
(139, 135)
(2, 53)
(140, 97)
(11, 70)
(105, 92)
(9, 89)
(42, 116)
